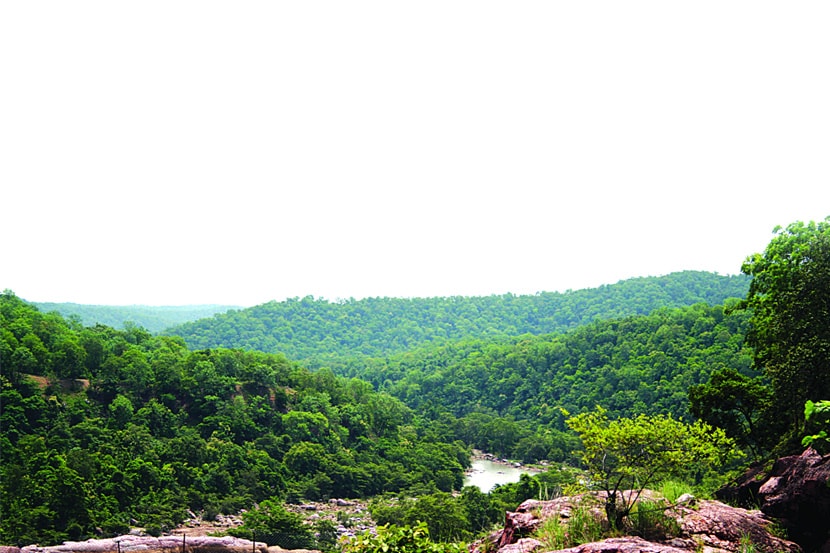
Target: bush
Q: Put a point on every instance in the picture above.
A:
(583, 526)
(443, 514)
(400, 539)
(672, 489)
(650, 521)
(272, 524)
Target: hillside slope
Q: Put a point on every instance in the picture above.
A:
(101, 427)
(152, 318)
(638, 364)
(320, 330)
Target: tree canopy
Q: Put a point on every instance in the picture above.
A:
(101, 426)
(153, 318)
(789, 298)
(503, 396)
(321, 332)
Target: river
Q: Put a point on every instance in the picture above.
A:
(486, 474)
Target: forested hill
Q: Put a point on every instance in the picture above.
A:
(152, 318)
(101, 427)
(643, 364)
(316, 329)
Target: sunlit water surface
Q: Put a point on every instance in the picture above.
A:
(486, 474)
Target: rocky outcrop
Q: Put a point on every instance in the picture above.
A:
(148, 544)
(796, 493)
(629, 544)
(701, 527)
(743, 491)
(720, 527)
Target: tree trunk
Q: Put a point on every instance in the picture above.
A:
(614, 514)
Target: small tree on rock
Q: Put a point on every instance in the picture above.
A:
(631, 454)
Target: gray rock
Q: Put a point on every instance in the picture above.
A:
(685, 499)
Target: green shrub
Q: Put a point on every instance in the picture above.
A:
(274, 525)
(553, 534)
(649, 521)
(582, 526)
(672, 489)
(400, 539)
(746, 545)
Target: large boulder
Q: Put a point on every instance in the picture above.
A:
(720, 527)
(796, 493)
(743, 491)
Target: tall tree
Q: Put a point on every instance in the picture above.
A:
(789, 298)
(735, 403)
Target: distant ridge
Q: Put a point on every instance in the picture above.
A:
(315, 329)
(153, 318)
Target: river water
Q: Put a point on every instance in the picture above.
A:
(486, 474)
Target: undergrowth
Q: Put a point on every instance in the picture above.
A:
(581, 526)
(649, 520)
(673, 489)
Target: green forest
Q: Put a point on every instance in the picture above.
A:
(101, 426)
(106, 428)
(318, 331)
(152, 318)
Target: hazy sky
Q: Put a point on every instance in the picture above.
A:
(179, 152)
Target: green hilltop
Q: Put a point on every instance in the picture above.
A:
(318, 330)
(152, 318)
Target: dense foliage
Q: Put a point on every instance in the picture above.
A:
(104, 428)
(504, 396)
(101, 426)
(634, 453)
(454, 517)
(319, 331)
(817, 415)
(153, 318)
(738, 404)
(789, 298)
(400, 539)
(270, 522)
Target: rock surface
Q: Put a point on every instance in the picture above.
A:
(704, 527)
(149, 544)
(796, 492)
(630, 544)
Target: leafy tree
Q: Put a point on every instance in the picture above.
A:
(480, 510)
(443, 514)
(789, 298)
(121, 411)
(735, 403)
(400, 539)
(625, 456)
(272, 523)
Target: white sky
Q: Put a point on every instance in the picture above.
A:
(179, 152)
